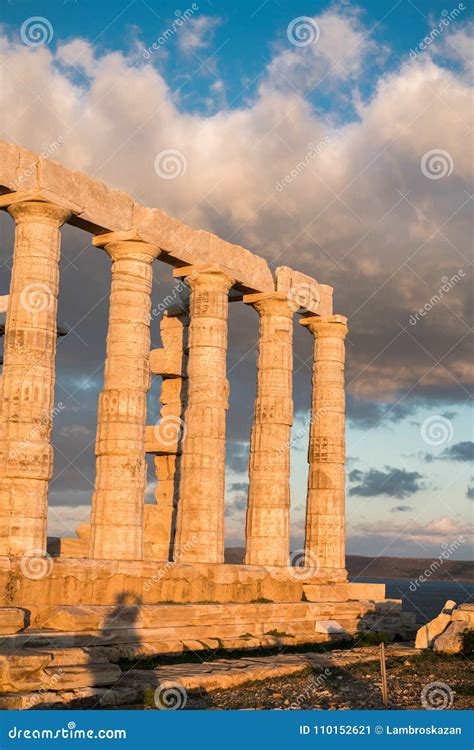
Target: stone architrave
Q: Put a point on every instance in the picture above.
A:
(200, 519)
(26, 453)
(268, 511)
(325, 506)
(118, 500)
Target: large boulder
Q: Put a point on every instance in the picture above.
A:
(451, 641)
(427, 633)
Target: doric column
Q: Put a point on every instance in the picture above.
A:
(325, 511)
(200, 520)
(118, 500)
(268, 511)
(26, 454)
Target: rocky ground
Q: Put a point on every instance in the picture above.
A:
(356, 685)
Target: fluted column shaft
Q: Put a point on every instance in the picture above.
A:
(200, 519)
(118, 500)
(325, 508)
(26, 454)
(268, 511)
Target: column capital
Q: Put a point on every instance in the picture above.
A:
(208, 272)
(326, 326)
(127, 245)
(28, 206)
(270, 303)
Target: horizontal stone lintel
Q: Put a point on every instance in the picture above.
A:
(98, 209)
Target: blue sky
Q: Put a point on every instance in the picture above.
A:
(240, 102)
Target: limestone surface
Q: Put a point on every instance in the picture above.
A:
(268, 512)
(325, 505)
(26, 454)
(118, 499)
(200, 520)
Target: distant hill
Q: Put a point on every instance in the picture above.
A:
(391, 567)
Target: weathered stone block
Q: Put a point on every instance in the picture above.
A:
(304, 291)
(170, 363)
(427, 634)
(12, 620)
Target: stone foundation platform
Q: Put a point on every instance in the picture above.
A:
(66, 623)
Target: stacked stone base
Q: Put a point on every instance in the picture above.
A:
(65, 633)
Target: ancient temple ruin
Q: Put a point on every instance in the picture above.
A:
(152, 558)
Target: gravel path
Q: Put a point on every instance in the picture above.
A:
(418, 681)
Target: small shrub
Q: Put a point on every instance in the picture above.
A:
(468, 642)
(371, 638)
(279, 634)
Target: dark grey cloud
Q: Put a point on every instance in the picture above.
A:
(237, 505)
(391, 482)
(462, 452)
(238, 487)
(470, 489)
(401, 508)
(367, 414)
